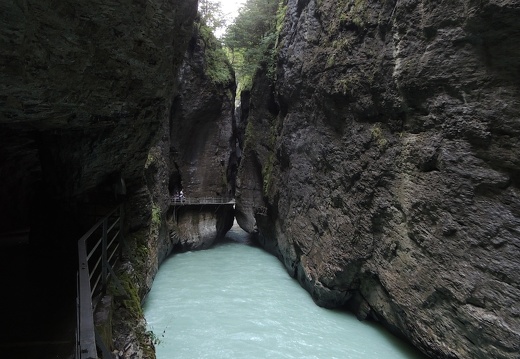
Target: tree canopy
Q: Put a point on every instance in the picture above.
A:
(211, 14)
(251, 37)
(216, 64)
(255, 20)
(249, 40)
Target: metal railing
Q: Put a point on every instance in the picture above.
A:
(182, 201)
(97, 252)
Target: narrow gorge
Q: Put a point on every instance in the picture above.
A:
(376, 154)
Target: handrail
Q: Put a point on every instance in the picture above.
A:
(87, 254)
(183, 201)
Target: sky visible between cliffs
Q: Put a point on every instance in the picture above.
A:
(230, 7)
(230, 10)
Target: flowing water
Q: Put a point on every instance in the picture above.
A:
(237, 301)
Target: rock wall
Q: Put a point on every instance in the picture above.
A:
(199, 227)
(96, 78)
(386, 156)
(201, 126)
(202, 145)
(193, 151)
(86, 92)
(85, 89)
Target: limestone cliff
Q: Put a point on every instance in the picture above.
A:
(193, 152)
(382, 166)
(202, 142)
(201, 122)
(85, 86)
(86, 92)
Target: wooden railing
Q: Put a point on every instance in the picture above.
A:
(183, 201)
(98, 251)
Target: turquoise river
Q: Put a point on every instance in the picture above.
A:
(237, 301)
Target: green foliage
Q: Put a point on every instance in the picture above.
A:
(251, 38)
(280, 16)
(378, 136)
(156, 215)
(132, 302)
(256, 19)
(156, 340)
(137, 246)
(127, 290)
(348, 13)
(216, 64)
(211, 14)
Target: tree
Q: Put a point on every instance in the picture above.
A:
(255, 20)
(252, 36)
(211, 14)
(216, 64)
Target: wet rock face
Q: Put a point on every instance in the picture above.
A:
(201, 129)
(201, 150)
(255, 138)
(394, 182)
(200, 227)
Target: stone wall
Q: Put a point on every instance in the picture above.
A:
(391, 184)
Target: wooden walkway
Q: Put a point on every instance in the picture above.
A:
(191, 201)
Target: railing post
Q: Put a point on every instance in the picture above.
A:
(104, 259)
(87, 339)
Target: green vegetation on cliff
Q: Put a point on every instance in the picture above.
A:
(217, 66)
(128, 291)
(251, 38)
